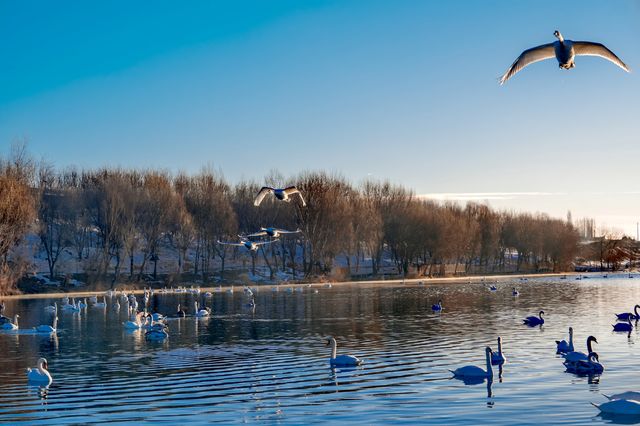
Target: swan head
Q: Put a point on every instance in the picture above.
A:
(488, 350)
(329, 340)
(593, 356)
(592, 339)
(42, 362)
(557, 34)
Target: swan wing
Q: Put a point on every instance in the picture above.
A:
(587, 48)
(231, 244)
(529, 56)
(293, 190)
(257, 234)
(266, 242)
(261, 194)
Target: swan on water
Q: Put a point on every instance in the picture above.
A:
(626, 315)
(581, 356)
(498, 358)
(437, 306)
(623, 326)
(620, 406)
(40, 374)
(533, 320)
(200, 313)
(624, 395)
(565, 52)
(180, 313)
(102, 304)
(340, 360)
(46, 328)
(562, 345)
(475, 371)
(515, 292)
(282, 194)
(134, 322)
(590, 366)
(156, 334)
(11, 325)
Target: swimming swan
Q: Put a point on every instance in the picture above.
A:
(341, 360)
(626, 315)
(625, 395)
(564, 51)
(437, 306)
(201, 313)
(581, 356)
(533, 320)
(620, 406)
(11, 325)
(623, 326)
(40, 374)
(498, 358)
(590, 366)
(562, 345)
(46, 328)
(180, 313)
(474, 371)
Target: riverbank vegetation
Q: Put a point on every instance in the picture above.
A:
(118, 223)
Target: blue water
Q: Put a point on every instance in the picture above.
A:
(270, 365)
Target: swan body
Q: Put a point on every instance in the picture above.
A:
(283, 194)
(626, 315)
(498, 358)
(157, 316)
(475, 371)
(201, 313)
(493, 288)
(620, 406)
(40, 375)
(565, 52)
(625, 395)
(272, 232)
(249, 245)
(590, 366)
(341, 360)
(156, 334)
(134, 323)
(580, 356)
(437, 306)
(515, 292)
(10, 326)
(533, 320)
(563, 347)
(623, 326)
(180, 313)
(46, 328)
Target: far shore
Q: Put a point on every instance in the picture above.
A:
(394, 281)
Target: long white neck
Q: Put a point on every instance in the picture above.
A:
(15, 319)
(55, 323)
(41, 368)
(334, 348)
(489, 370)
(196, 305)
(560, 38)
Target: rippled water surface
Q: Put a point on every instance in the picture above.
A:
(270, 364)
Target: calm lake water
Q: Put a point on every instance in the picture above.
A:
(271, 365)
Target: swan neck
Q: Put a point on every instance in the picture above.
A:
(489, 369)
(500, 346)
(334, 348)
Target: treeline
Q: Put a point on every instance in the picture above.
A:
(117, 220)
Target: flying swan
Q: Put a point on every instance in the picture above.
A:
(282, 194)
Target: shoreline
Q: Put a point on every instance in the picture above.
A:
(394, 281)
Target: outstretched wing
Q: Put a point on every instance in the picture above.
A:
(587, 48)
(293, 190)
(231, 244)
(261, 243)
(257, 234)
(263, 193)
(284, 231)
(529, 56)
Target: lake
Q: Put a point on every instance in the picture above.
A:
(270, 364)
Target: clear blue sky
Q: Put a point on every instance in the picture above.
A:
(405, 90)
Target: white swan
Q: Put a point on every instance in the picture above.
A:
(180, 313)
(272, 232)
(620, 406)
(40, 375)
(498, 358)
(46, 328)
(341, 360)
(624, 395)
(11, 325)
(134, 323)
(474, 371)
(102, 304)
(157, 316)
(564, 51)
(563, 346)
(82, 304)
(580, 356)
(282, 194)
(249, 245)
(201, 313)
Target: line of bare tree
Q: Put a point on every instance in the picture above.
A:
(116, 220)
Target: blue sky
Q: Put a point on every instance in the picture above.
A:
(405, 90)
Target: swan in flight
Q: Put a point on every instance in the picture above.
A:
(249, 245)
(11, 325)
(581, 356)
(46, 328)
(280, 193)
(562, 346)
(533, 320)
(626, 315)
(272, 232)
(623, 326)
(341, 360)
(565, 52)
(40, 375)
(498, 358)
(474, 371)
